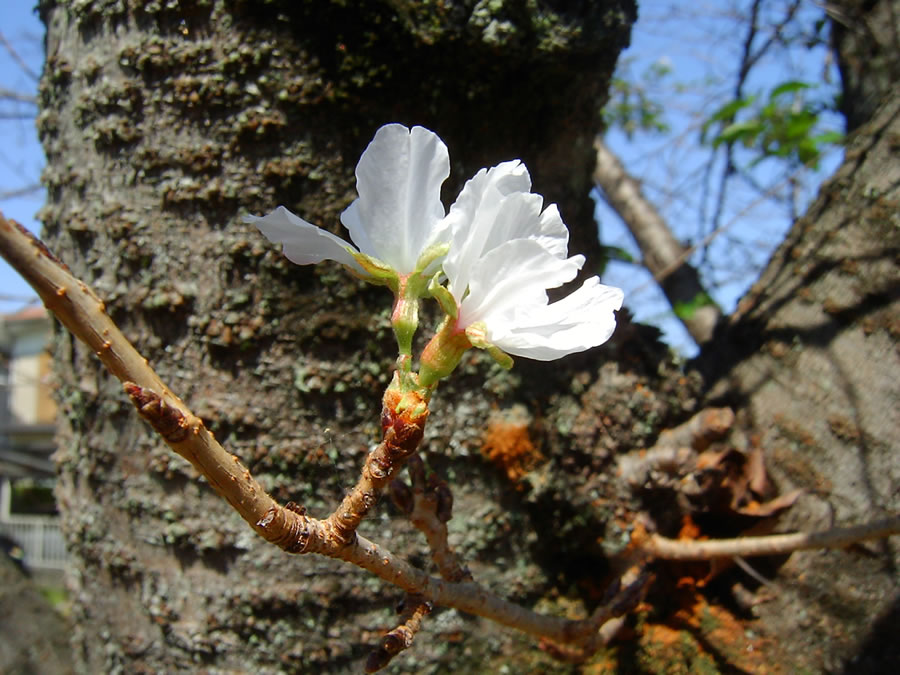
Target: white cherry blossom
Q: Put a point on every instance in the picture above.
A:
(505, 252)
(397, 216)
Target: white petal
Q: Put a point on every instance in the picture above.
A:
(399, 211)
(490, 184)
(303, 242)
(581, 320)
(495, 207)
(554, 235)
(471, 217)
(519, 217)
(358, 233)
(511, 275)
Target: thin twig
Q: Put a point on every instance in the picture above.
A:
(402, 434)
(17, 96)
(412, 611)
(84, 314)
(21, 192)
(27, 299)
(622, 597)
(775, 544)
(670, 269)
(431, 510)
(17, 58)
(748, 60)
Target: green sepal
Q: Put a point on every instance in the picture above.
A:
(379, 273)
(503, 359)
(444, 298)
(429, 256)
(477, 334)
(442, 353)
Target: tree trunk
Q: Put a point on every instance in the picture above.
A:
(866, 37)
(811, 360)
(163, 124)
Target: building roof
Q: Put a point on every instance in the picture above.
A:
(27, 314)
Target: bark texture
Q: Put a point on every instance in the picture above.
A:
(866, 37)
(811, 360)
(163, 123)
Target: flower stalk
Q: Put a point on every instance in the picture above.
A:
(442, 353)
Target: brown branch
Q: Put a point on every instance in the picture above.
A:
(429, 505)
(21, 192)
(776, 544)
(659, 247)
(84, 314)
(17, 96)
(622, 597)
(721, 229)
(402, 432)
(431, 508)
(17, 58)
(412, 610)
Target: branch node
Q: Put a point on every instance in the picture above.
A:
(412, 609)
(167, 421)
(292, 534)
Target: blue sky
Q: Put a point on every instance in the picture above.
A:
(699, 41)
(21, 157)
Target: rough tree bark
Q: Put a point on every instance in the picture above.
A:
(866, 36)
(163, 123)
(811, 360)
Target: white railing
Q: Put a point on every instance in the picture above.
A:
(41, 539)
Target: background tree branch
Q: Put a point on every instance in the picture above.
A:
(663, 254)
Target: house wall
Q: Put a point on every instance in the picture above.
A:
(29, 388)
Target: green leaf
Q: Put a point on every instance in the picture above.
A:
(724, 114)
(799, 126)
(739, 131)
(617, 253)
(686, 310)
(829, 138)
(788, 87)
(728, 111)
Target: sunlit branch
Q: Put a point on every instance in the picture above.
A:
(413, 609)
(659, 247)
(676, 263)
(775, 544)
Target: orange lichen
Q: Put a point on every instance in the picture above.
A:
(507, 444)
(695, 637)
(689, 529)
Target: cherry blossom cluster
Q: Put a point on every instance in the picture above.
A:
(488, 261)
